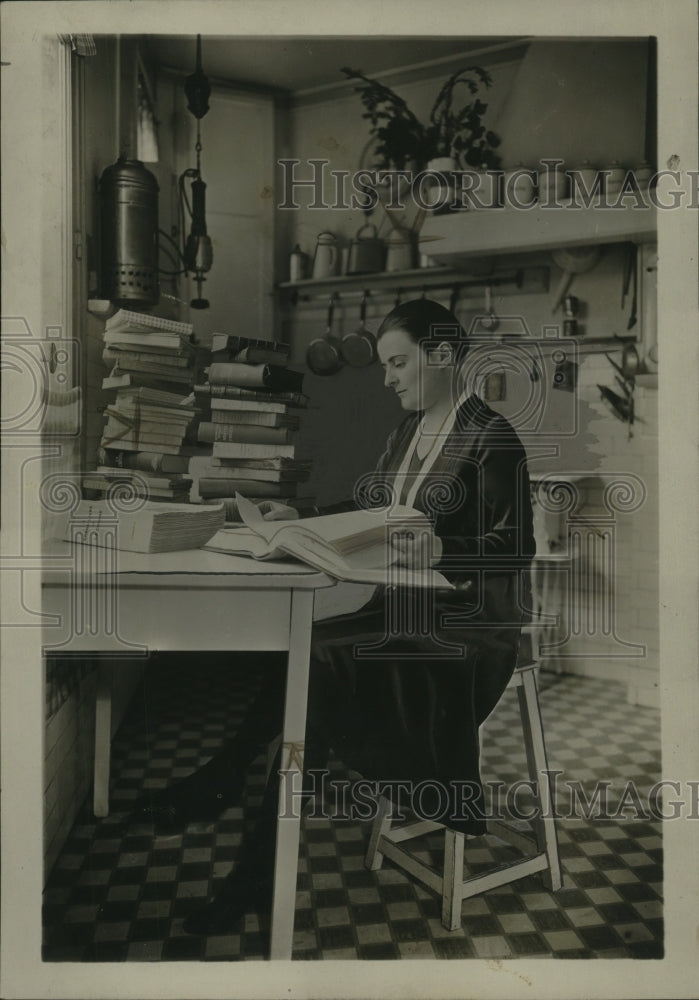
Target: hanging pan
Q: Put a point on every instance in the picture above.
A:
(323, 355)
(359, 347)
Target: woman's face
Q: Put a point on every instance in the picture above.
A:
(419, 379)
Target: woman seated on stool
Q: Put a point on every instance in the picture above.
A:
(395, 701)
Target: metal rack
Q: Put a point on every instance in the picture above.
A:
(521, 280)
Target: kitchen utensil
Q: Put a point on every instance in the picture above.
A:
(582, 180)
(642, 175)
(617, 368)
(613, 175)
(630, 361)
(634, 301)
(366, 252)
(571, 305)
(628, 265)
(518, 186)
(553, 184)
(359, 347)
(620, 407)
(325, 257)
(298, 264)
(323, 356)
(573, 260)
(399, 250)
(489, 321)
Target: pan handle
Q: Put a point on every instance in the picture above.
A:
(563, 286)
(331, 310)
(362, 307)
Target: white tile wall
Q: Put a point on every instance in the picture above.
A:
(637, 552)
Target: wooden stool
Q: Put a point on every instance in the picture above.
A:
(541, 850)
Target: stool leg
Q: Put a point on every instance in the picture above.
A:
(272, 751)
(381, 825)
(544, 824)
(452, 879)
(103, 738)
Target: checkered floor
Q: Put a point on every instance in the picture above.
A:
(119, 893)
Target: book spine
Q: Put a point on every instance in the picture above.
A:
(210, 432)
(171, 340)
(246, 406)
(236, 449)
(141, 361)
(221, 391)
(147, 396)
(150, 412)
(256, 376)
(223, 373)
(250, 356)
(183, 376)
(248, 487)
(237, 417)
(157, 478)
(241, 471)
(134, 380)
(146, 461)
(125, 317)
(166, 448)
(234, 344)
(143, 428)
(285, 464)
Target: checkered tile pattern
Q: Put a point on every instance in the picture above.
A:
(119, 893)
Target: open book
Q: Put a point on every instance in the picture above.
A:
(352, 546)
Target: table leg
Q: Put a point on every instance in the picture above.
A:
(294, 734)
(103, 738)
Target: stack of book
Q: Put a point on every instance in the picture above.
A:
(250, 407)
(154, 527)
(145, 350)
(143, 441)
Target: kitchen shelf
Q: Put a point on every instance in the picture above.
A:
(461, 235)
(522, 280)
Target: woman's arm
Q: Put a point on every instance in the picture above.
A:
(498, 529)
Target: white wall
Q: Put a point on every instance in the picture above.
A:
(541, 106)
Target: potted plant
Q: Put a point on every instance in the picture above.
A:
(455, 137)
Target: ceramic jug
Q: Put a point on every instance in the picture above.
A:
(326, 256)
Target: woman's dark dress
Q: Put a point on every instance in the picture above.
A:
(401, 702)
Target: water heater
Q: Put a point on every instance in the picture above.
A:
(129, 234)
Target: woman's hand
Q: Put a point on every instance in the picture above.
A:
(417, 548)
(272, 511)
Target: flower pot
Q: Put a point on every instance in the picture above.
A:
(438, 189)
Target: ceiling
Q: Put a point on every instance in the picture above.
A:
(299, 65)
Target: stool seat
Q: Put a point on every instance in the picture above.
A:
(540, 850)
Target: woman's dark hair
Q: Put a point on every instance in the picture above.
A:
(427, 323)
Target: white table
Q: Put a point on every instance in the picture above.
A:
(122, 604)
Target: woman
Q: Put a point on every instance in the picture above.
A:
(399, 688)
